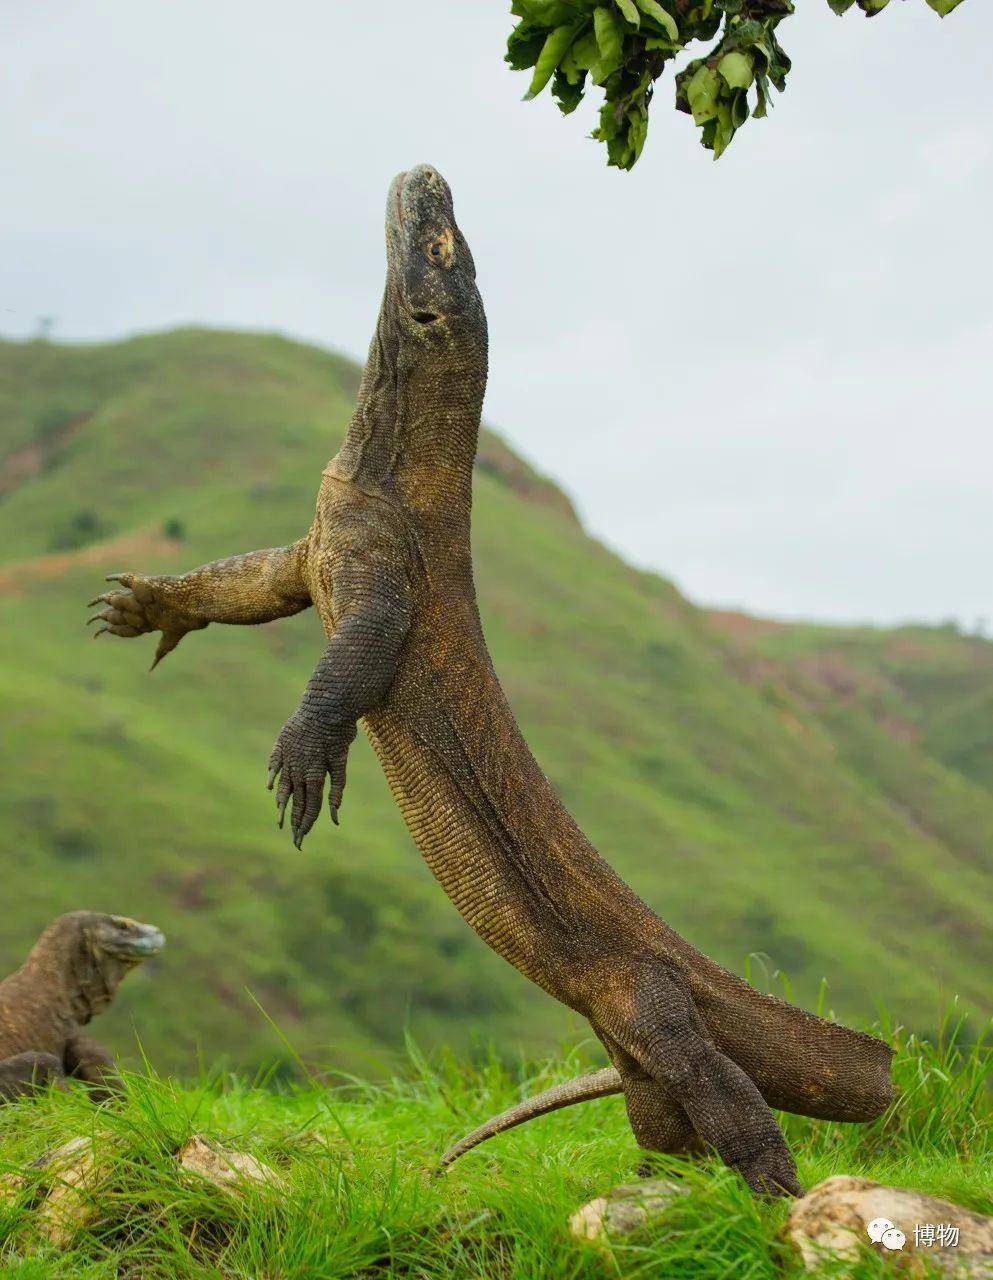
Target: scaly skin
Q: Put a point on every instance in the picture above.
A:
(387, 562)
(70, 975)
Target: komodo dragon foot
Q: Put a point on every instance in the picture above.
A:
(25, 1073)
(146, 605)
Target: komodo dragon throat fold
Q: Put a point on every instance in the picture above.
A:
(699, 1054)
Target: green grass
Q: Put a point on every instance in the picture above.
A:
(821, 797)
(355, 1197)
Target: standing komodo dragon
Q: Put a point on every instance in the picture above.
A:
(699, 1053)
(71, 974)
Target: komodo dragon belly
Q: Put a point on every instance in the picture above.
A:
(464, 838)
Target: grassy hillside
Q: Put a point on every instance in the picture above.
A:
(351, 1196)
(823, 798)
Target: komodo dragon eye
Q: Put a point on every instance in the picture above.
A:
(442, 248)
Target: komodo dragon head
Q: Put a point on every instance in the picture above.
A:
(417, 415)
(431, 277)
(87, 954)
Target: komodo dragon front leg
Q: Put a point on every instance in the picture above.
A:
(363, 590)
(245, 590)
(87, 1060)
(26, 1073)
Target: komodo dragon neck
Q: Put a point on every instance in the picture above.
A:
(415, 427)
(75, 982)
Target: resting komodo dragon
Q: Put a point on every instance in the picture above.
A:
(71, 974)
(387, 561)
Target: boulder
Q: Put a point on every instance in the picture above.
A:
(75, 1174)
(844, 1215)
(625, 1209)
(229, 1170)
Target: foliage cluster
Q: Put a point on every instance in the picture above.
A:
(623, 46)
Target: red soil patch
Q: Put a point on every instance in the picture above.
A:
(32, 459)
(742, 626)
(111, 556)
(23, 464)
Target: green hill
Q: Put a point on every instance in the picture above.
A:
(823, 797)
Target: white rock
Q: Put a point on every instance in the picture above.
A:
(71, 1202)
(229, 1170)
(625, 1209)
(843, 1215)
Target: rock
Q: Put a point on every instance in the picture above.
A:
(843, 1215)
(11, 1187)
(625, 1209)
(229, 1170)
(70, 1203)
(333, 1143)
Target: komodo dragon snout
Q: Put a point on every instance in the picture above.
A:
(122, 938)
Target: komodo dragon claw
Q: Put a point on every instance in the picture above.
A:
(144, 607)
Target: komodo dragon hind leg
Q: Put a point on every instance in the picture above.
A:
(26, 1073)
(657, 1120)
(671, 1048)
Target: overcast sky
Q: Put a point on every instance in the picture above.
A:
(769, 378)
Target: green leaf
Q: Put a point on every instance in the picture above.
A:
(943, 7)
(653, 9)
(523, 46)
(743, 34)
(610, 42)
(739, 107)
(736, 68)
(630, 11)
(566, 92)
(702, 93)
(724, 131)
(637, 133)
(552, 52)
(583, 54)
(762, 92)
(545, 13)
(840, 6)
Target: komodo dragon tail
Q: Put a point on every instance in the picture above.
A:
(598, 1084)
(800, 1062)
